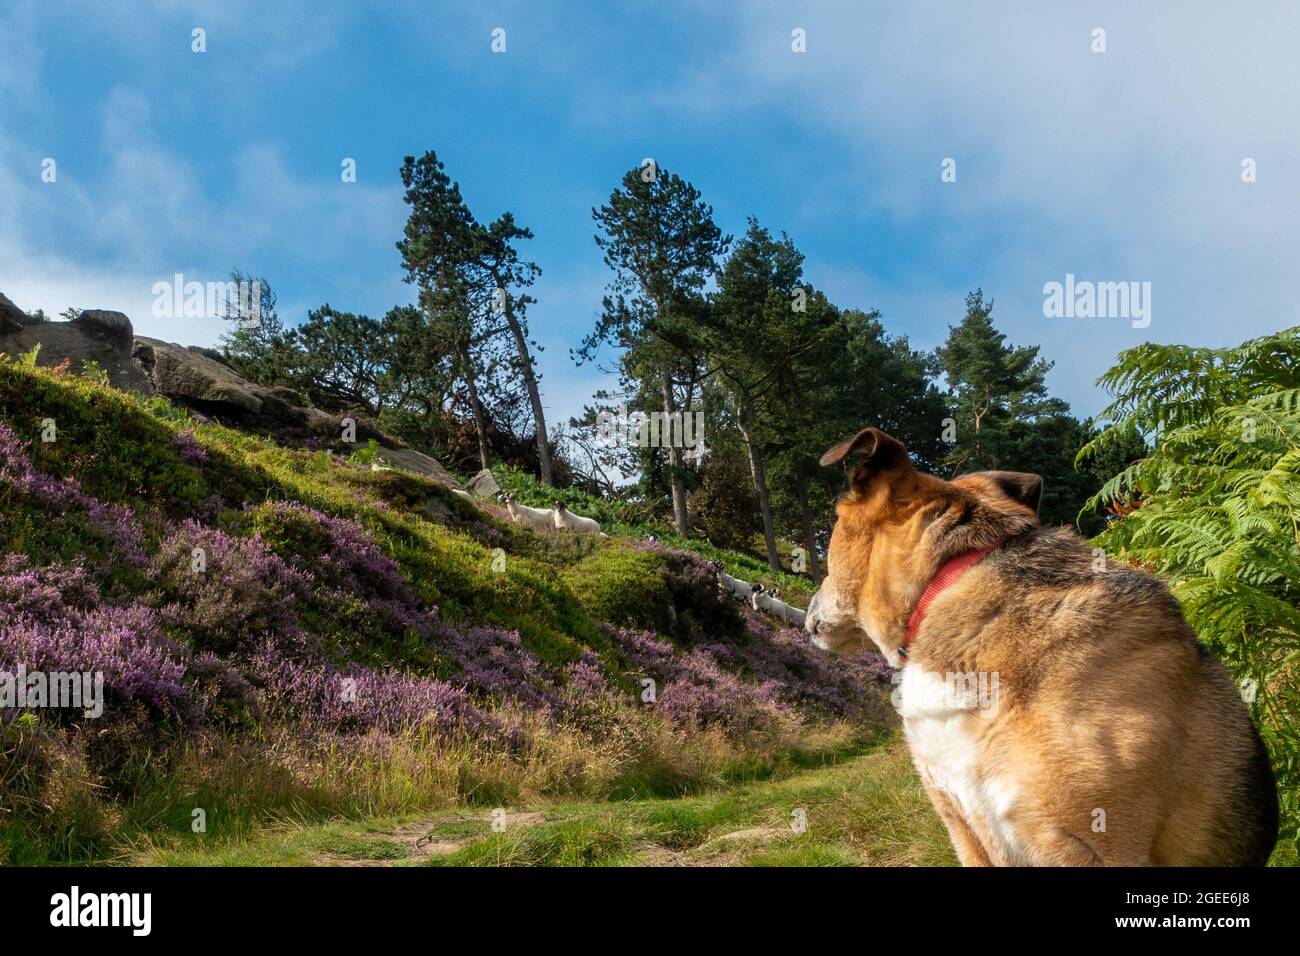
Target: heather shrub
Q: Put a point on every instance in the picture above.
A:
(693, 583)
(188, 447)
(224, 593)
(692, 689)
(222, 693)
(353, 700)
(339, 559)
(494, 662)
(54, 619)
(60, 506)
(802, 675)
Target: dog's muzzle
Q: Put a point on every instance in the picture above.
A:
(812, 618)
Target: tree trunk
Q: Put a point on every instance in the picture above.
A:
(680, 515)
(530, 382)
(480, 418)
(760, 482)
(809, 537)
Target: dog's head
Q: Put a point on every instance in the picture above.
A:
(895, 527)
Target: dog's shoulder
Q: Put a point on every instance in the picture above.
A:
(1058, 558)
(1054, 568)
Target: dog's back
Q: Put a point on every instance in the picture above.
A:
(1092, 632)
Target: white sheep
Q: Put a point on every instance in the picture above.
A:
(766, 600)
(733, 586)
(539, 519)
(566, 520)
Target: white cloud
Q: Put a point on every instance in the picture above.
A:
(102, 238)
(1122, 165)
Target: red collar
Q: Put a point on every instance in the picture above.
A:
(949, 573)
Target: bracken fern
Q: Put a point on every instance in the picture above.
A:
(1215, 509)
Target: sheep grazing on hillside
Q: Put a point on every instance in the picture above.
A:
(758, 597)
(566, 520)
(766, 600)
(737, 588)
(539, 519)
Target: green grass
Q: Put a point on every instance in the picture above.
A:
(866, 808)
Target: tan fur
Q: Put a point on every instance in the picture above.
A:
(1106, 704)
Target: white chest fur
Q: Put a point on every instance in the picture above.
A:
(942, 733)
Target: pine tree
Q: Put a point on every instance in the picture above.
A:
(258, 346)
(659, 238)
(992, 387)
(466, 272)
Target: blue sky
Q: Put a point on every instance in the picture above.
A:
(1115, 166)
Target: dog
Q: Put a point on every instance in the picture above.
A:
(1110, 737)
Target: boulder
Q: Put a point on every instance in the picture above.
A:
(12, 318)
(484, 484)
(287, 395)
(420, 463)
(113, 327)
(98, 340)
(193, 378)
(214, 354)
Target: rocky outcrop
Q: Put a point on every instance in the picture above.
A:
(12, 318)
(197, 378)
(99, 339)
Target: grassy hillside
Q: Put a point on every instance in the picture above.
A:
(288, 634)
(629, 519)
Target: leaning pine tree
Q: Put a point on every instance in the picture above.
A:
(1215, 509)
(659, 238)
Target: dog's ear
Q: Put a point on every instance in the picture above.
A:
(1019, 486)
(875, 452)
